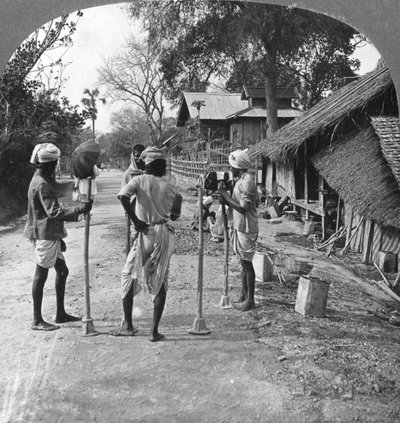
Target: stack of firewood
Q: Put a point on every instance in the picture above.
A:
(332, 241)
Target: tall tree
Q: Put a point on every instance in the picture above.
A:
(90, 104)
(27, 107)
(129, 127)
(18, 83)
(207, 38)
(133, 77)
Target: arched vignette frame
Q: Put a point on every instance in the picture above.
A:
(375, 19)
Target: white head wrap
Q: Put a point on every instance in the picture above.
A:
(240, 159)
(44, 153)
(151, 154)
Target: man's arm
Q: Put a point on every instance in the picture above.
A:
(140, 226)
(54, 210)
(227, 199)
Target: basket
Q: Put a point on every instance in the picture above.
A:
(297, 267)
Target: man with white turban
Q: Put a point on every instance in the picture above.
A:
(245, 222)
(157, 202)
(45, 228)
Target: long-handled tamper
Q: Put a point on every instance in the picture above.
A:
(199, 325)
(87, 327)
(224, 301)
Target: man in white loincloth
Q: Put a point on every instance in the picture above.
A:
(245, 222)
(157, 202)
(45, 228)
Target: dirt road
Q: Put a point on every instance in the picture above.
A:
(267, 365)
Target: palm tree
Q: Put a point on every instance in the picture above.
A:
(89, 103)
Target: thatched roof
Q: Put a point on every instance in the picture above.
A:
(356, 169)
(388, 130)
(327, 113)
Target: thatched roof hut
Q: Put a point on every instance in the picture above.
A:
(356, 168)
(388, 130)
(324, 117)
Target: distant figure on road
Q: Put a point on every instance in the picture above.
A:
(80, 190)
(45, 228)
(157, 202)
(136, 166)
(245, 222)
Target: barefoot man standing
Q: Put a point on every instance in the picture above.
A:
(157, 202)
(45, 228)
(245, 222)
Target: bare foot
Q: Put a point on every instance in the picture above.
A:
(123, 331)
(156, 337)
(44, 326)
(248, 305)
(64, 318)
(241, 299)
(245, 306)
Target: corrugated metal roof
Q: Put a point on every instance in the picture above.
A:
(259, 92)
(218, 105)
(388, 130)
(289, 113)
(258, 112)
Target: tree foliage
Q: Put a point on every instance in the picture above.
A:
(27, 107)
(247, 43)
(134, 78)
(89, 102)
(129, 127)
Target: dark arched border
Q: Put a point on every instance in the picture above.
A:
(376, 19)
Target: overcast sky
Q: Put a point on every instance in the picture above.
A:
(102, 32)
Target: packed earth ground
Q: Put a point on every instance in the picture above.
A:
(270, 364)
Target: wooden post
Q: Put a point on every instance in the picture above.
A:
(396, 281)
(306, 180)
(369, 240)
(345, 248)
(199, 326)
(321, 200)
(349, 227)
(338, 214)
(201, 258)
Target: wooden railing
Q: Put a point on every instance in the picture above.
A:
(188, 168)
(201, 162)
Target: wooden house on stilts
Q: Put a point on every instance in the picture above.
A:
(340, 164)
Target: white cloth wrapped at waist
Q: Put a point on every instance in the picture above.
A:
(147, 263)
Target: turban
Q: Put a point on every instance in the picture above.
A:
(239, 159)
(151, 154)
(44, 153)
